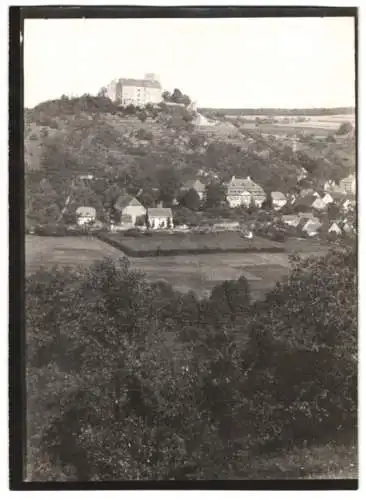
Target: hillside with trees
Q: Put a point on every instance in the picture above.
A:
(134, 149)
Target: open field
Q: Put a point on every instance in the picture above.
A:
(318, 125)
(190, 243)
(184, 272)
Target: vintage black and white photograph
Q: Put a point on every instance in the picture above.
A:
(190, 219)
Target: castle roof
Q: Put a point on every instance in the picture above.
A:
(132, 82)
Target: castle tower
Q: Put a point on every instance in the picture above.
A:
(152, 76)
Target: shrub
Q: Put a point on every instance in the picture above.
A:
(144, 134)
(344, 128)
(133, 232)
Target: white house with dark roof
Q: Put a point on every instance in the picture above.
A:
(137, 92)
(129, 209)
(160, 218)
(312, 226)
(238, 189)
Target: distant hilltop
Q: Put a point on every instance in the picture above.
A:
(281, 111)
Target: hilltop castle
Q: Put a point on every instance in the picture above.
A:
(126, 91)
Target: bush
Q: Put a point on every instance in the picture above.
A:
(345, 128)
(133, 232)
(308, 322)
(144, 134)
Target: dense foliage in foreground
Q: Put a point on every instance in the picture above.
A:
(131, 380)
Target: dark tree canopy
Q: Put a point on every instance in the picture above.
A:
(215, 195)
(190, 199)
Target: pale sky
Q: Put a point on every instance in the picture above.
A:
(262, 62)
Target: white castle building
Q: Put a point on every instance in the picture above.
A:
(137, 92)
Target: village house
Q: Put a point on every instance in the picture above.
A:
(238, 189)
(319, 204)
(129, 209)
(334, 228)
(197, 185)
(291, 220)
(239, 199)
(348, 227)
(327, 199)
(279, 200)
(160, 218)
(85, 215)
(348, 204)
(348, 184)
(127, 91)
(312, 226)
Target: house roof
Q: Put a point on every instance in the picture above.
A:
(126, 200)
(312, 225)
(335, 227)
(291, 218)
(132, 82)
(306, 201)
(327, 196)
(277, 195)
(319, 203)
(339, 196)
(237, 185)
(159, 212)
(86, 212)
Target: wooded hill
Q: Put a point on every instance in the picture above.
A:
(135, 149)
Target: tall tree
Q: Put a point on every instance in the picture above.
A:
(215, 195)
(169, 183)
(190, 199)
